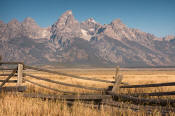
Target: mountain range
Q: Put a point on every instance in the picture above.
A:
(70, 42)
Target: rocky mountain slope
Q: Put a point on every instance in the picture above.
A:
(70, 42)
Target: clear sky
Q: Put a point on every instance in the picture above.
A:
(153, 16)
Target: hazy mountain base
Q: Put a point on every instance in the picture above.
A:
(37, 52)
(80, 53)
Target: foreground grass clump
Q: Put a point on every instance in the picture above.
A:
(12, 104)
(15, 105)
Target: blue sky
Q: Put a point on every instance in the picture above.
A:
(153, 16)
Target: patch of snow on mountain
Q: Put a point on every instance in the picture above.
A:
(85, 35)
(92, 20)
(91, 29)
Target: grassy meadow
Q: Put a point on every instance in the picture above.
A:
(12, 104)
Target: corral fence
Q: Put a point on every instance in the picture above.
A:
(110, 96)
(11, 70)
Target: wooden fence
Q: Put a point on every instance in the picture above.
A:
(15, 72)
(104, 97)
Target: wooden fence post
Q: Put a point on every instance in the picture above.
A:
(117, 72)
(20, 74)
(116, 86)
(118, 80)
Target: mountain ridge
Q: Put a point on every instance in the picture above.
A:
(68, 41)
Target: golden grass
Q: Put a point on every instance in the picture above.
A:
(15, 105)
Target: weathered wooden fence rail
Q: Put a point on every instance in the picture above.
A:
(9, 81)
(154, 94)
(71, 97)
(111, 92)
(46, 87)
(68, 75)
(11, 63)
(7, 69)
(116, 87)
(114, 90)
(15, 72)
(7, 75)
(66, 84)
(149, 85)
(105, 100)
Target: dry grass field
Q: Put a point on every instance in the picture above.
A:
(12, 104)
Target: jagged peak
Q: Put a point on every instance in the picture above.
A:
(67, 14)
(91, 20)
(117, 22)
(66, 18)
(14, 21)
(29, 21)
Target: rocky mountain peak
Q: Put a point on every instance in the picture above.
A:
(28, 28)
(14, 22)
(68, 12)
(117, 23)
(30, 23)
(29, 20)
(31, 29)
(66, 19)
(91, 20)
(116, 29)
(90, 24)
(89, 28)
(65, 29)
